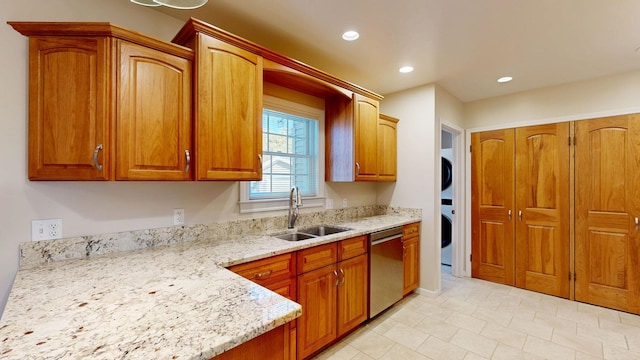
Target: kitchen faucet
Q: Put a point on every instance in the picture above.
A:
(293, 213)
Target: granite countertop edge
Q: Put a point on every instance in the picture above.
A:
(174, 301)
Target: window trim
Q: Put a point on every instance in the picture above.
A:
(290, 107)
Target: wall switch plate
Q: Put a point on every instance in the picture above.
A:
(345, 203)
(329, 204)
(178, 216)
(48, 229)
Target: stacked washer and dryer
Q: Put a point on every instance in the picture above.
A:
(447, 203)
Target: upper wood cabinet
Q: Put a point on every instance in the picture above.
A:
(387, 148)
(228, 111)
(366, 113)
(69, 108)
(360, 145)
(106, 103)
(153, 133)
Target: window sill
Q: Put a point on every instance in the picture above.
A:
(252, 206)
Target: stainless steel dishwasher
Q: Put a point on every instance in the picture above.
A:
(385, 286)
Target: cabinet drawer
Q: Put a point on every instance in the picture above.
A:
(269, 270)
(411, 230)
(286, 288)
(353, 247)
(317, 257)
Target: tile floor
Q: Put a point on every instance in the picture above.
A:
(474, 319)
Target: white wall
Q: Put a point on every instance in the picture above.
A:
(416, 185)
(577, 100)
(96, 207)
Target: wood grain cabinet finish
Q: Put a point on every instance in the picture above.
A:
(387, 148)
(607, 238)
(94, 87)
(366, 114)
(520, 207)
(361, 144)
(69, 108)
(153, 132)
(333, 296)
(411, 257)
(271, 345)
(228, 111)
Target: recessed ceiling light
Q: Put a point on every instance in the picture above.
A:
(406, 69)
(505, 79)
(350, 35)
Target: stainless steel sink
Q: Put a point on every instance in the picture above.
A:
(296, 236)
(323, 230)
(312, 232)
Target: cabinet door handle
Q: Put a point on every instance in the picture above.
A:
(357, 168)
(95, 157)
(342, 273)
(520, 215)
(188, 156)
(636, 222)
(335, 273)
(260, 159)
(509, 214)
(263, 275)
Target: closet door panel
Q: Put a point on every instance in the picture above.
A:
(607, 204)
(492, 204)
(542, 205)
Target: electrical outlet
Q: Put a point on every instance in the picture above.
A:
(178, 216)
(48, 229)
(345, 203)
(328, 204)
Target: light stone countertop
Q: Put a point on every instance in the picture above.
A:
(168, 302)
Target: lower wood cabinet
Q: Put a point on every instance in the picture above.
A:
(278, 274)
(411, 257)
(271, 345)
(332, 290)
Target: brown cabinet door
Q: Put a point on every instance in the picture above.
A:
(411, 263)
(542, 208)
(154, 115)
(607, 243)
(69, 115)
(366, 138)
(387, 148)
(317, 291)
(228, 103)
(492, 205)
(352, 293)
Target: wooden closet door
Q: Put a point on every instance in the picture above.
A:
(492, 204)
(542, 209)
(607, 204)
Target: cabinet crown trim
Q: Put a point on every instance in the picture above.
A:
(87, 29)
(193, 26)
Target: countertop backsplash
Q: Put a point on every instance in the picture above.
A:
(39, 252)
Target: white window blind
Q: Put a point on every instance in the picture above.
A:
(290, 156)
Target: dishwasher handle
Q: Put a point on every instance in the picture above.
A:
(388, 238)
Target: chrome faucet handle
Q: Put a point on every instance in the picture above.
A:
(298, 197)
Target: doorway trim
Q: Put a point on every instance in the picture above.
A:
(458, 245)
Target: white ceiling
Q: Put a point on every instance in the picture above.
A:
(463, 45)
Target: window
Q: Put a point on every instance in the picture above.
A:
(292, 155)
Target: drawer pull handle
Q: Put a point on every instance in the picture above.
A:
(263, 275)
(95, 157)
(357, 168)
(260, 161)
(637, 223)
(188, 156)
(509, 215)
(335, 273)
(342, 273)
